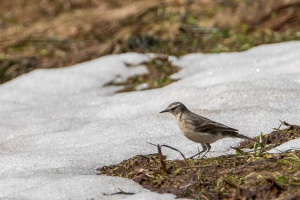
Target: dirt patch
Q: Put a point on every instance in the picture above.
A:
(275, 138)
(159, 71)
(240, 176)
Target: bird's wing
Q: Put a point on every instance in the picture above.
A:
(213, 127)
(203, 124)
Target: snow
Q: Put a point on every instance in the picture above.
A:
(57, 126)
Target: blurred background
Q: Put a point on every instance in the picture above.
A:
(58, 33)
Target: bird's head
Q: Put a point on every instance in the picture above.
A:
(175, 108)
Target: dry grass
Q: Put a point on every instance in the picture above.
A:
(47, 34)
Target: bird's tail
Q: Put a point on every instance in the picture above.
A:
(235, 134)
(243, 137)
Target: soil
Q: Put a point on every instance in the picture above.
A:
(244, 175)
(50, 34)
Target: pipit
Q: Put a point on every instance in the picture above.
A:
(200, 129)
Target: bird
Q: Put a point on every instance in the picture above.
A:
(200, 129)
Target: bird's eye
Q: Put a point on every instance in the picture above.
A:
(173, 108)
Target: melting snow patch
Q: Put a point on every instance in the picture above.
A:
(58, 125)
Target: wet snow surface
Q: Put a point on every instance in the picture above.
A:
(57, 126)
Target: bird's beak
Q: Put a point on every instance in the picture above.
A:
(164, 111)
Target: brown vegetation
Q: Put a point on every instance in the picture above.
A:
(47, 34)
(245, 175)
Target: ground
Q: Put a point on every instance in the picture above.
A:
(50, 34)
(245, 175)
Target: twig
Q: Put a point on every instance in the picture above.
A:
(121, 192)
(179, 152)
(164, 145)
(290, 126)
(160, 156)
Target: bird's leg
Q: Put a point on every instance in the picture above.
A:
(204, 148)
(208, 147)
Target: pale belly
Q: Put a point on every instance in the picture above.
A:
(199, 137)
(203, 137)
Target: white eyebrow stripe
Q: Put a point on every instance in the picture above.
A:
(175, 105)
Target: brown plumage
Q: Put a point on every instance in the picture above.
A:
(200, 129)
